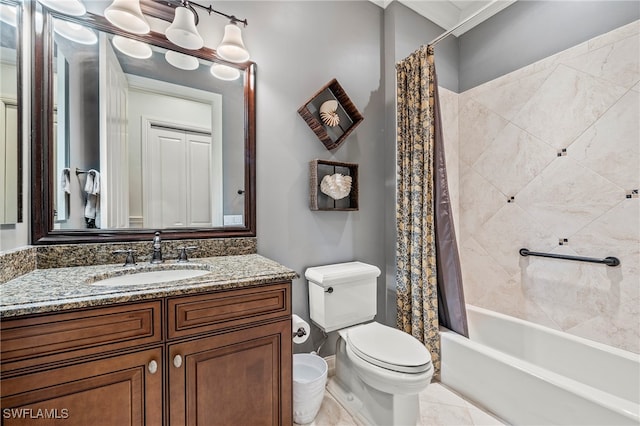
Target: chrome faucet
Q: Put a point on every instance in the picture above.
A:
(157, 249)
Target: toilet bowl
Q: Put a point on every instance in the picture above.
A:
(388, 359)
(379, 370)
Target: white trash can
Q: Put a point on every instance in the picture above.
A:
(309, 380)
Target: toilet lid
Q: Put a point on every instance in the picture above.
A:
(389, 348)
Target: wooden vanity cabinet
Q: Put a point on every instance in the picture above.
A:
(120, 390)
(236, 378)
(216, 358)
(100, 366)
(241, 373)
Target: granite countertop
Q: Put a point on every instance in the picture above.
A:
(59, 289)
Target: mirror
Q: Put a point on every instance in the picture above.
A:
(138, 135)
(10, 113)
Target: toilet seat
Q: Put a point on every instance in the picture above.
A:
(388, 348)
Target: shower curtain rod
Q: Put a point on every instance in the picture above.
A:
(459, 24)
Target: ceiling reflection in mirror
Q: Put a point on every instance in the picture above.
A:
(10, 149)
(143, 137)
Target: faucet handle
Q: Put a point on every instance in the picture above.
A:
(130, 260)
(182, 253)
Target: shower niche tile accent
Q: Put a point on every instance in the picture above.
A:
(319, 201)
(346, 112)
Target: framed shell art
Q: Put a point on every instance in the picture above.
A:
(331, 115)
(333, 186)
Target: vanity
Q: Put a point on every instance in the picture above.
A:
(214, 349)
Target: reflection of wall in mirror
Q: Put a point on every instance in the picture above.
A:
(146, 107)
(8, 139)
(221, 111)
(144, 97)
(80, 129)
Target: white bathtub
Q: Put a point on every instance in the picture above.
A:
(527, 374)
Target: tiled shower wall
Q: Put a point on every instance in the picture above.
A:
(549, 159)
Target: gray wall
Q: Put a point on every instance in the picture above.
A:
(405, 31)
(528, 31)
(299, 47)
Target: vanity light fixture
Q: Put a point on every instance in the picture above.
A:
(181, 61)
(74, 32)
(224, 72)
(135, 49)
(68, 7)
(184, 33)
(127, 15)
(8, 15)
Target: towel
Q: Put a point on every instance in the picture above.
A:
(65, 180)
(92, 188)
(92, 185)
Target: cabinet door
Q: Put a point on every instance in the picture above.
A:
(122, 390)
(238, 378)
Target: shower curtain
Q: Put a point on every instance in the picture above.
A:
(428, 276)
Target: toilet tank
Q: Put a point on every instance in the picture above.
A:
(342, 295)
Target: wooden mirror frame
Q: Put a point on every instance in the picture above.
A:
(42, 181)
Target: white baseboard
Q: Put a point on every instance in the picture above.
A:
(331, 364)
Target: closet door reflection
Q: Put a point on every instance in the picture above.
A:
(179, 168)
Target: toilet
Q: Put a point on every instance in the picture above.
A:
(379, 370)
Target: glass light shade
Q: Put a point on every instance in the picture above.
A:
(231, 47)
(68, 7)
(134, 48)
(224, 72)
(9, 14)
(182, 61)
(127, 15)
(182, 31)
(74, 32)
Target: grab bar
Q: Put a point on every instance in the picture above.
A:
(609, 261)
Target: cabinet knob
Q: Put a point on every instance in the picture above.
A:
(153, 367)
(177, 361)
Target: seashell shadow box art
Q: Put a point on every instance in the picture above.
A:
(333, 186)
(331, 115)
(336, 186)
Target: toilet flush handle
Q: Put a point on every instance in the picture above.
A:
(329, 290)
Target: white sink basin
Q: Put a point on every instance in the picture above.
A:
(151, 277)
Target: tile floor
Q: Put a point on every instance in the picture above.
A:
(439, 406)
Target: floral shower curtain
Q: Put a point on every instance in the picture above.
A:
(428, 277)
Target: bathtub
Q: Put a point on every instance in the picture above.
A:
(528, 374)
